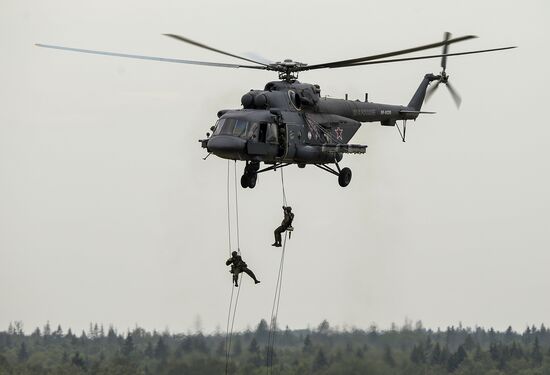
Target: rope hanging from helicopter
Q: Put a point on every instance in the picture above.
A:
(228, 210)
(276, 297)
(283, 186)
(314, 124)
(275, 312)
(232, 312)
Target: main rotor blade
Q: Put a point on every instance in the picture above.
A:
(423, 57)
(163, 59)
(446, 37)
(258, 57)
(431, 91)
(454, 94)
(344, 63)
(187, 40)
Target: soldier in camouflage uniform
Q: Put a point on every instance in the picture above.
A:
(238, 266)
(285, 225)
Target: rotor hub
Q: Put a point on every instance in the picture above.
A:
(288, 69)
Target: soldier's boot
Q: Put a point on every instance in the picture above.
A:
(251, 274)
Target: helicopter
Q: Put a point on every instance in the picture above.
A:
(289, 122)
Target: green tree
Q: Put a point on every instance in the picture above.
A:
(435, 358)
(199, 343)
(509, 334)
(456, 359)
(536, 353)
(78, 361)
(262, 331)
(469, 342)
(149, 351)
(58, 332)
(22, 353)
(324, 327)
(111, 335)
(220, 350)
(4, 365)
(320, 360)
(128, 346)
(308, 346)
(254, 348)
(36, 333)
(388, 356)
(47, 329)
(161, 350)
(418, 355)
(237, 346)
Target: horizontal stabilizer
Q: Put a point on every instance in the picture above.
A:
(416, 112)
(344, 148)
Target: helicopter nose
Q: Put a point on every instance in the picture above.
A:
(226, 145)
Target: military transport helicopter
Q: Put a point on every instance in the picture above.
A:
(288, 122)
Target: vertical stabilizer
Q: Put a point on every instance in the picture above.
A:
(418, 97)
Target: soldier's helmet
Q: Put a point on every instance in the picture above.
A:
(234, 253)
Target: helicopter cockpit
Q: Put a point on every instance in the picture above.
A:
(254, 131)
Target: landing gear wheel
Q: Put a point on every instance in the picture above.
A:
(252, 178)
(344, 178)
(248, 180)
(244, 181)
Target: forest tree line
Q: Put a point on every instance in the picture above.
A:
(323, 350)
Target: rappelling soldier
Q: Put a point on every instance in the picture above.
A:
(238, 266)
(285, 225)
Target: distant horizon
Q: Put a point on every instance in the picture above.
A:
(406, 326)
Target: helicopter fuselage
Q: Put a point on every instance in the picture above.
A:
(286, 122)
(290, 123)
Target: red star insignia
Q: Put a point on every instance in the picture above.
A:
(339, 131)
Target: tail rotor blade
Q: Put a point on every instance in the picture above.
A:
(446, 37)
(454, 94)
(431, 91)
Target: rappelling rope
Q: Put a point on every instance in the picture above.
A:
(283, 185)
(227, 344)
(237, 210)
(231, 316)
(276, 297)
(275, 313)
(229, 333)
(318, 126)
(228, 210)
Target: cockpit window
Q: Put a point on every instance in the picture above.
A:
(228, 126)
(247, 130)
(219, 125)
(240, 128)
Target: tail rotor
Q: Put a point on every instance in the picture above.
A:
(444, 77)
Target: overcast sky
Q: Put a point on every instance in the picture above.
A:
(108, 213)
